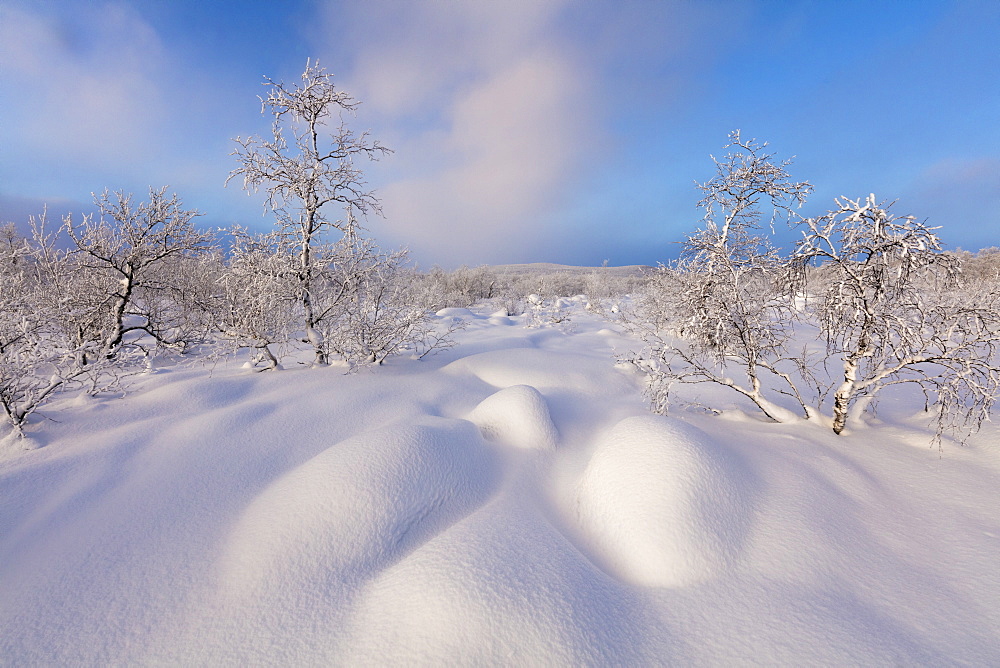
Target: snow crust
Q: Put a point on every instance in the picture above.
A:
(507, 502)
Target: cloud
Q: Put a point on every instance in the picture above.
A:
(490, 116)
(411, 55)
(81, 85)
(968, 172)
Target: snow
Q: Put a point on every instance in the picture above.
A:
(506, 502)
(517, 415)
(663, 502)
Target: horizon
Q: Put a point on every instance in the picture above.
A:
(533, 132)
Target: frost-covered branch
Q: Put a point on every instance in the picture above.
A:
(895, 311)
(723, 305)
(132, 254)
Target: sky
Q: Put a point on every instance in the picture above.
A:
(523, 131)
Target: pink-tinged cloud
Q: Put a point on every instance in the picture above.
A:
(491, 118)
(414, 55)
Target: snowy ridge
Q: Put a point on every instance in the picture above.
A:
(506, 502)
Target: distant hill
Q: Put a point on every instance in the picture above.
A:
(551, 268)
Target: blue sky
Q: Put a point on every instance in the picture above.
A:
(534, 131)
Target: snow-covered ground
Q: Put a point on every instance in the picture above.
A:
(507, 502)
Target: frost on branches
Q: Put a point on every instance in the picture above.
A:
(84, 306)
(256, 299)
(134, 255)
(894, 310)
(866, 301)
(721, 314)
(309, 161)
(350, 299)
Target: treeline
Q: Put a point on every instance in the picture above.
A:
(86, 303)
(510, 289)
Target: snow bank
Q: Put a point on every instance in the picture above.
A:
(501, 587)
(517, 416)
(360, 504)
(662, 502)
(455, 312)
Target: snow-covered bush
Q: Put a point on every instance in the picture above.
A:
(510, 301)
(461, 288)
(983, 266)
(255, 302)
(542, 312)
(602, 285)
(507, 288)
(379, 316)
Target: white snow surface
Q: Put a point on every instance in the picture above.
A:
(517, 415)
(509, 501)
(659, 498)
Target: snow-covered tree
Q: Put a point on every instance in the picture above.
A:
(43, 325)
(309, 162)
(17, 325)
(129, 257)
(894, 311)
(374, 307)
(722, 310)
(866, 301)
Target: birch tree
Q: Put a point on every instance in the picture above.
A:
(43, 325)
(895, 311)
(307, 164)
(124, 255)
(723, 307)
(17, 326)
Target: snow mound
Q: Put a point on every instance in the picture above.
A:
(360, 505)
(542, 369)
(662, 502)
(502, 587)
(518, 416)
(455, 312)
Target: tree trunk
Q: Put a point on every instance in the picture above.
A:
(114, 340)
(265, 355)
(842, 397)
(313, 335)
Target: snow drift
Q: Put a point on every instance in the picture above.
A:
(517, 415)
(664, 504)
(509, 501)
